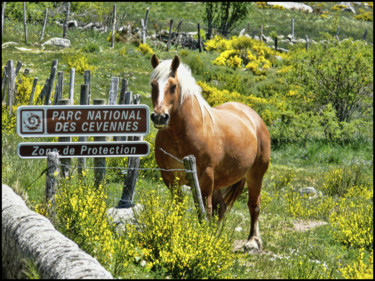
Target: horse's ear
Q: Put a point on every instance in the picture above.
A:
(175, 64)
(154, 61)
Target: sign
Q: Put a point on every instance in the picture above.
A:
(83, 120)
(83, 149)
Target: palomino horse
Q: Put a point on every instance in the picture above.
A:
(230, 142)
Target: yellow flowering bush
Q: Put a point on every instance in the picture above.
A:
(302, 206)
(352, 220)
(358, 269)
(172, 240)
(242, 51)
(79, 63)
(145, 49)
(22, 97)
(81, 215)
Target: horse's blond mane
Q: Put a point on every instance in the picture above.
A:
(189, 87)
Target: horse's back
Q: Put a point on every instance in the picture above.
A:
(253, 122)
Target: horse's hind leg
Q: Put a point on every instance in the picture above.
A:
(218, 204)
(254, 183)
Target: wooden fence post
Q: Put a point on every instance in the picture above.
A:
(124, 86)
(33, 91)
(190, 165)
(71, 86)
(337, 33)
(112, 97)
(307, 42)
(113, 26)
(83, 101)
(59, 87)
(99, 162)
(276, 43)
(11, 85)
(199, 39)
(87, 81)
(132, 175)
(44, 24)
(364, 36)
(51, 174)
(170, 34)
(65, 169)
(4, 82)
(292, 28)
(50, 82)
(2, 18)
(24, 21)
(66, 20)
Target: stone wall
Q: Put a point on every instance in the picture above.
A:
(28, 236)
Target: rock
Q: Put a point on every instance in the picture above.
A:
(289, 37)
(311, 192)
(72, 23)
(123, 216)
(23, 49)
(238, 229)
(292, 5)
(88, 26)
(7, 44)
(57, 42)
(242, 32)
(349, 7)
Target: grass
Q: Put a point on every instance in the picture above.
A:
(289, 253)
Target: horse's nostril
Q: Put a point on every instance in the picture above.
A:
(152, 116)
(166, 117)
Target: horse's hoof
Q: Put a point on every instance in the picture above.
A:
(253, 246)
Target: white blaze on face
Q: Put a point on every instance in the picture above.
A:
(162, 84)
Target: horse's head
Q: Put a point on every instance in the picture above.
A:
(165, 93)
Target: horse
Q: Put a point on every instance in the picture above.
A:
(230, 142)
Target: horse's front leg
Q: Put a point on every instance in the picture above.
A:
(206, 183)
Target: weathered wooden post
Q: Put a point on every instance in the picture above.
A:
(113, 89)
(11, 85)
(44, 24)
(170, 34)
(113, 26)
(292, 28)
(59, 87)
(66, 20)
(146, 20)
(50, 82)
(66, 162)
(124, 86)
(364, 36)
(143, 32)
(24, 21)
(190, 165)
(87, 81)
(99, 162)
(261, 32)
(132, 175)
(51, 174)
(199, 39)
(83, 101)
(33, 90)
(337, 33)
(4, 82)
(307, 42)
(276, 43)
(2, 18)
(71, 86)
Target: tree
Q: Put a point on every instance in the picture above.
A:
(340, 74)
(225, 15)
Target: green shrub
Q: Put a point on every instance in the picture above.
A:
(91, 48)
(339, 180)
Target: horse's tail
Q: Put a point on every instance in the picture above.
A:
(231, 193)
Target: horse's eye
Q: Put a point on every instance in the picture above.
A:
(154, 83)
(173, 88)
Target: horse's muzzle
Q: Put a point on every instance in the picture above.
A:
(160, 120)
